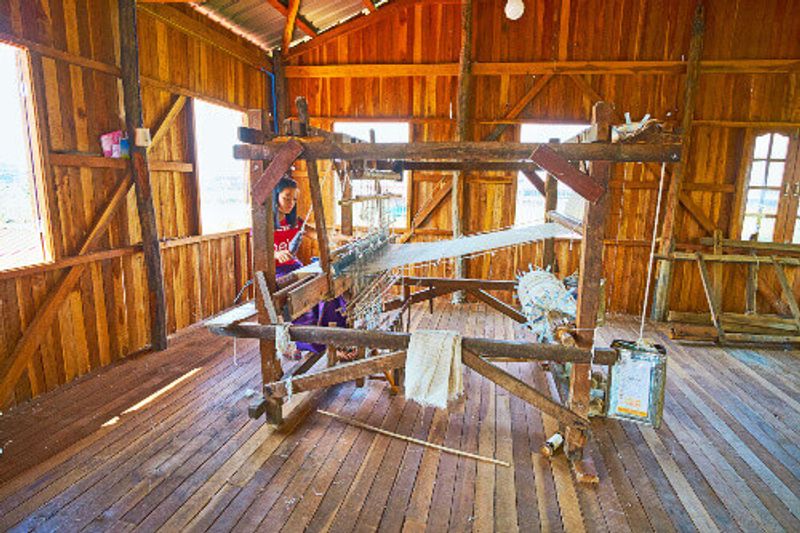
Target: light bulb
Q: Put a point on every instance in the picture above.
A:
(514, 9)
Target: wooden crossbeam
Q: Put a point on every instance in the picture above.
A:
(460, 283)
(469, 151)
(433, 201)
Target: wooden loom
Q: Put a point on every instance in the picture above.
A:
(295, 294)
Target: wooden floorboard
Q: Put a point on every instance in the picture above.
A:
(162, 442)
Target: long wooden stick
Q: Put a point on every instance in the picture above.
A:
(361, 425)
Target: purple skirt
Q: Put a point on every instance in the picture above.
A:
(321, 315)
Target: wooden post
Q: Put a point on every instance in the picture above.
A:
(347, 208)
(129, 57)
(664, 278)
(315, 188)
(280, 89)
(591, 271)
(264, 261)
(463, 119)
(550, 204)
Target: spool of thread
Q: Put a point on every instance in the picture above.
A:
(551, 445)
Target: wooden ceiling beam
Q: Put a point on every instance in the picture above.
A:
(304, 25)
(291, 20)
(369, 4)
(617, 68)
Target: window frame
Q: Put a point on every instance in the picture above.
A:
(197, 167)
(788, 208)
(36, 132)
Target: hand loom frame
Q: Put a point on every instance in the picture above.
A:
(294, 295)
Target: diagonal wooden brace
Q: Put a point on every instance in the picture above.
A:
(285, 156)
(524, 391)
(561, 169)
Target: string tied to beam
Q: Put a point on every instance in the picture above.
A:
(652, 253)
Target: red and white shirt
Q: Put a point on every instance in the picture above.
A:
(284, 235)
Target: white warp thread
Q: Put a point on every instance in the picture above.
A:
(283, 343)
(433, 368)
(398, 255)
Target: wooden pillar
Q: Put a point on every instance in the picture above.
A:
(550, 204)
(347, 208)
(264, 261)
(667, 246)
(129, 58)
(591, 272)
(463, 120)
(280, 89)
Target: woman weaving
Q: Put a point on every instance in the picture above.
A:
(289, 231)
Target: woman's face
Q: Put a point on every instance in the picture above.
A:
(287, 199)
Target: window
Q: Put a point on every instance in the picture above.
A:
(223, 181)
(22, 225)
(771, 192)
(530, 203)
(385, 132)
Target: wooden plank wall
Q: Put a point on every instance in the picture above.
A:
(75, 58)
(619, 30)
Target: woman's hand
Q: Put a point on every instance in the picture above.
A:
(283, 256)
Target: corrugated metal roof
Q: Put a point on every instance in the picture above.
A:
(261, 23)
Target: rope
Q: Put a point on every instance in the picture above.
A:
(652, 253)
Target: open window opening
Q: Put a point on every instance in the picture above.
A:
(23, 230)
(530, 202)
(222, 180)
(385, 132)
(772, 190)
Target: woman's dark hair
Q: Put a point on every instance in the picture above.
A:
(284, 183)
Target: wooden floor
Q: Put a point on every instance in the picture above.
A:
(163, 442)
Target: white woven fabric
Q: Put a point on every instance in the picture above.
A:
(433, 368)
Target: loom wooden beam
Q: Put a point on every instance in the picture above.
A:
(524, 391)
(277, 167)
(281, 90)
(391, 340)
(591, 272)
(433, 201)
(561, 169)
(307, 295)
(340, 373)
(129, 59)
(535, 180)
(550, 205)
(567, 221)
(667, 245)
(469, 151)
(442, 166)
(499, 305)
(461, 284)
(520, 106)
(264, 261)
(301, 22)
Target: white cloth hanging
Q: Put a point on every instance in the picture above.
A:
(433, 367)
